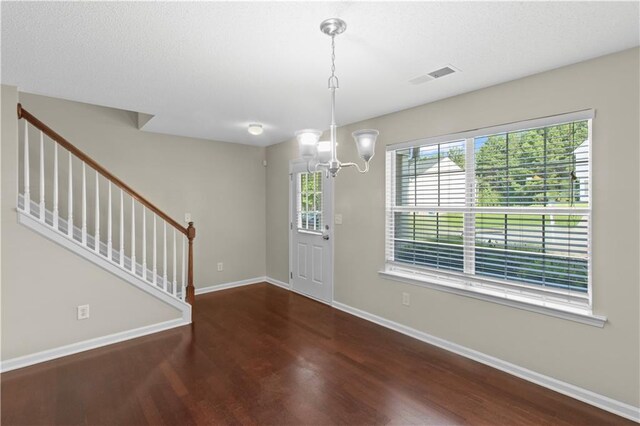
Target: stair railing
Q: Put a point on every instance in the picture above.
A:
(182, 289)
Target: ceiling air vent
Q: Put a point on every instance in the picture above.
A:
(449, 69)
(442, 72)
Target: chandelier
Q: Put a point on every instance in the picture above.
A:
(322, 154)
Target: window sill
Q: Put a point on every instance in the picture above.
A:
(583, 316)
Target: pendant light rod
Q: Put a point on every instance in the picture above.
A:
(334, 165)
(324, 155)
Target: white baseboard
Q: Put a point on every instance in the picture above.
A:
(233, 284)
(73, 348)
(249, 281)
(278, 283)
(49, 354)
(584, 395)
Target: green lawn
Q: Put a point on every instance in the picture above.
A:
(454, 221)
(448, 227)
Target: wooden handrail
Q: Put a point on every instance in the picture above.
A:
(189, 232)
(23, 113)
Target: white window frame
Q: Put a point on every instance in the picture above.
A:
(523, 296)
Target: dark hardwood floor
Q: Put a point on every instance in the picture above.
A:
(263, 355)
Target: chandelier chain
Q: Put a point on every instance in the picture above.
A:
(333, 56)
(333, 79)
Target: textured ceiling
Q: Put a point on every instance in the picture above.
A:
(209, 69)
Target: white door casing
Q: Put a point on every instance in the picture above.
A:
(310, 232)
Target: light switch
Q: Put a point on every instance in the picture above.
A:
(337, 218)
(187, 217)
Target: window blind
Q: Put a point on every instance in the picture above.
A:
(507, 211)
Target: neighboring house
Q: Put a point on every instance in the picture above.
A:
(582, 170)
(445, 175)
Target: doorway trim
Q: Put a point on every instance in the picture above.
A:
(330, 213)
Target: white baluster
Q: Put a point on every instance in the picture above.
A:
(27, 194)
(42, 177)
(121, 228)
(144, 243)
(175, 282)
(184, 277)
(155, 252)
(109, 224)
(84, 203)
(70, 200)
(55, 186)
(133, 235)
(164, 258)
(96, 239)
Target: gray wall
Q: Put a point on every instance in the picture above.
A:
(223, 186)
(220, 184)
(42, 283)
(603, 360)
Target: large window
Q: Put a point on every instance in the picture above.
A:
(504, 211)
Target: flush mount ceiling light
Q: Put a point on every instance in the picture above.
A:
(255, 129)
(322, 154)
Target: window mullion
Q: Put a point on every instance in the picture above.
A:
(469, 219)
(391, 201)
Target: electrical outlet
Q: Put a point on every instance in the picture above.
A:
(405, 299)
(220, 266)
(187, 217)
(83, 312)
(337, 218)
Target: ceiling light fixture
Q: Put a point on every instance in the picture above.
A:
(322, 154)
(255, 129)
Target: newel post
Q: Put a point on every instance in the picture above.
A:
(191, 234)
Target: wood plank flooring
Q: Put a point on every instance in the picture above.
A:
(262, 355)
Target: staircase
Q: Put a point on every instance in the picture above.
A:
(142, 245)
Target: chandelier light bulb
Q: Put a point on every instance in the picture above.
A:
(324, 151)
(308, 142)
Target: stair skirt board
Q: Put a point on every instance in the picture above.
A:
(86, 345)
(46, 229)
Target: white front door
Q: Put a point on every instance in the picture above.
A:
(311, 233)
